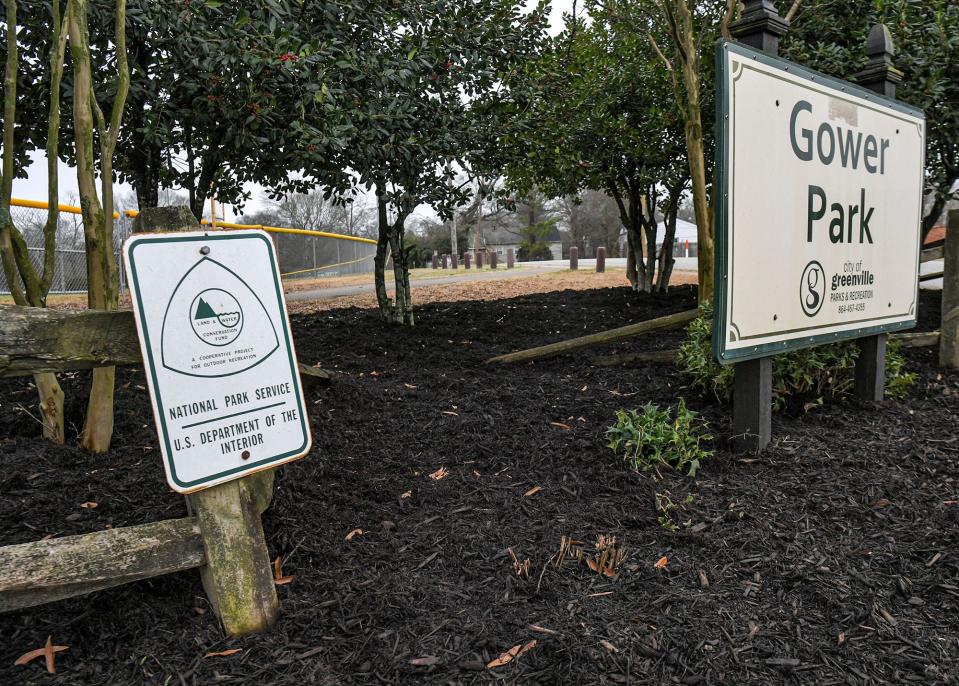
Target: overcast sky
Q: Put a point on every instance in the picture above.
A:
(35, 186)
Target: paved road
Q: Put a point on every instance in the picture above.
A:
(360, 289)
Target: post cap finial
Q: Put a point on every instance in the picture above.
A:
(880, 42)
(760, 26)
(880, 73)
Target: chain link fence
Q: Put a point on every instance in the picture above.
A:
(301, 255)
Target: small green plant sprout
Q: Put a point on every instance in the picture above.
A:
(655, 436)
(669, 513)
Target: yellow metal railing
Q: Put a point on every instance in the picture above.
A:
(71, 209)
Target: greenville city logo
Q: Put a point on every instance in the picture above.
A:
(216, 317)
(812, 288)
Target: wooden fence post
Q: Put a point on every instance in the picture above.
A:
(493, 259)
(880, 76)
(949, 328)
(600, 260)
(237, 575)
(760, 27)
(510, 258)
(479, 259)
(454, 258)
(574, 258)
(466, 260)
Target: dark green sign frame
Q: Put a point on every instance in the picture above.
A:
(721, 195)
(264, 463)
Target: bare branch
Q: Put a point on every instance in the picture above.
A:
(791, 14)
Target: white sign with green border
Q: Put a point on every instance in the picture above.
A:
(219, 358)
(819, 189)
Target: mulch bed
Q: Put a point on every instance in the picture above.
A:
(830, 559)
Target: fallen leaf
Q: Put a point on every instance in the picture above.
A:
(609, 646)
(89, 505)
(353, 534)
(661, 562)
(439, 474)
(882, 502)
(405, 495)
(278, 577)
(224, 653)
(454, 414)
(594, 565)
(533, 491)
(560, 425)
(409, 385)
(841, 638)
(703, 579)
(425, 661)
(48, 652)
(510, 655)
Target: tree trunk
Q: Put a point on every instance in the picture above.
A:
(101, 264)
(16, 261)
(401, 275)
(666, 258)
(51, 406)
(686, 46)
(379, 260)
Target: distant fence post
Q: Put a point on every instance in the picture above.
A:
(237, 575)
(574, 258)
(881, 77)
(493, 259)
(759, 27)
(435, 260)
(949, 329)
(600, 260)
(466, 260)
(445, 262)
(479, 259)
(454, 258)
(510, 258)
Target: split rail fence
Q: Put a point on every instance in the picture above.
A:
(222, 536)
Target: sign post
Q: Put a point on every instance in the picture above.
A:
(879, 76)
(226, 393)
(827, 247)
(760, 27)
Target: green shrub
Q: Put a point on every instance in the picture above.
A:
(654, 437)
(801, 378)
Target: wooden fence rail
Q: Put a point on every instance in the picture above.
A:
(37, 339)
(57, 568)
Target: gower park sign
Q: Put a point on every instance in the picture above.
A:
(218, 354)
(819, 203)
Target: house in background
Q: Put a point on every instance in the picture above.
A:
(685, 242)
(499, 239)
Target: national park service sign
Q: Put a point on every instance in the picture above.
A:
(219, 358)
(818, 200)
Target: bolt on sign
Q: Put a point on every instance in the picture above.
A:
(818, 208)
(219, 357)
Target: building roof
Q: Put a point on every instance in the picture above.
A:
(504, 235)
(936, 234)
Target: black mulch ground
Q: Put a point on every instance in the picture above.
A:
(832, 559)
